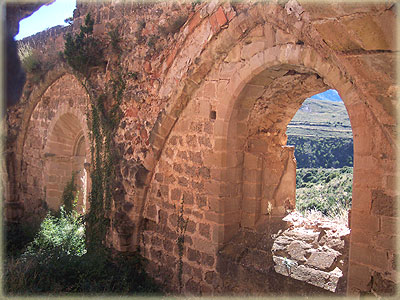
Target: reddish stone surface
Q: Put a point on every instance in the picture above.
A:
(171, 57)
(147, 67)
(194, 21)
(215, 27)
(131, 112)
(220, 16)
(210, 132)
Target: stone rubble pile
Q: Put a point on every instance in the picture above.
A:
(314, 251)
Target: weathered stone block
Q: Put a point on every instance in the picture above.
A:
(370, 36)
(365, 195)
(322, 260)
(383, 204)
(248, 220)
(204, 245)
(204, 230)
(249, 50)
(359, 277)
(283, 37)
(389, 225)
(368, 255)
(382, 286)
(387, 242)
(193, 255)
(297, 250)
(364, 222)
(207, 260)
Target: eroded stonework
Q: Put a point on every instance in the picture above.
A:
(312, 251)
(205, 111)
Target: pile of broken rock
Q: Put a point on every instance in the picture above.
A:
(312, 250)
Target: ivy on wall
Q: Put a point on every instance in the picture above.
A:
(83, 52)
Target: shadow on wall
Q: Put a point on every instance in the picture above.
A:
(15, 76)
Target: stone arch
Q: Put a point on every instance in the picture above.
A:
(242, 91)
(240, 94)
(198, 63)
(237, 86)
(59, 92)
(32, 99)
(197, 59)
(66, 152)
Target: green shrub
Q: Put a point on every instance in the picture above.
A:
(70, 194)
(328, 191)
(115, 39)
(58, 236)
(56, 262)
(322, 152)
(82, 51)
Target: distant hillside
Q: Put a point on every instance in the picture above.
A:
(321, 118)
(321, 133)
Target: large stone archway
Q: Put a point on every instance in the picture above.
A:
(216, 155)
(279, 79)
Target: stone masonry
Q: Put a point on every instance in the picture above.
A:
(204, 127)
(313, 251)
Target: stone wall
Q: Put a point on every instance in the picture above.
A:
(213, 88)
(54, 127)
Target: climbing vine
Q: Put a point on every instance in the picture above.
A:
(83, 52)
(181, 229)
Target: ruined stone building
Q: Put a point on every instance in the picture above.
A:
(209, 91)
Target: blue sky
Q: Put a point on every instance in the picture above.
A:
(47, 16)
(331, 95)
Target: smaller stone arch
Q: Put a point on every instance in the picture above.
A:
(66, 153)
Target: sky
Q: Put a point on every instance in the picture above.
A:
(331, 95)
(46, 17)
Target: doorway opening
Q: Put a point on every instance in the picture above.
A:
(322, 136)
(317, 238)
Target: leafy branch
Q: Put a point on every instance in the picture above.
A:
(82, 51)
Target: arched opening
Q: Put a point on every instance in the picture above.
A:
(323, 140)
(267, 174)
(261, 185)
(81, 174)
(65, 158)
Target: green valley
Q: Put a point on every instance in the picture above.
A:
(322, 136)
